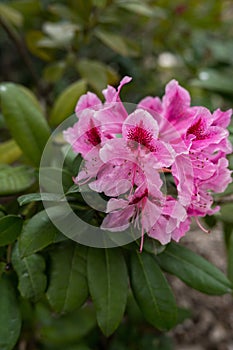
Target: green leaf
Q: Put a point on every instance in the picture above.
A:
(11, 15)
(2, 268)
(54, 71)
(65, 103)
(31, 96)
(9, 152)
(38, 233)
(28, 8)
(30, 271)
(108, 284)
(51, 177)
(10, 228)
(10, 318)
(83, 9)
(97, 74)
(226, 212)
(67, 288)
(152, 292)
(99, 3)
(214, 80)
(183, 314)
(152, 246)
(228, 235)
(15, 179)
(38, 197)
(117, 43)
(141, 8)
(194, 270)
(33, 37)
(64, 11)
(26, 123)
(61, 331)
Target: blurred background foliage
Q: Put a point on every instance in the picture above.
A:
(58, 50)
(47, 45)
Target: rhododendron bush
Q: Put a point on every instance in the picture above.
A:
(115, 169)
(120, 185)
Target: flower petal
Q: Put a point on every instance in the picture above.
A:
(118, 221)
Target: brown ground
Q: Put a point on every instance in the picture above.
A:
(211, 327)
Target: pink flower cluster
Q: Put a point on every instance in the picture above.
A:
(131, 156)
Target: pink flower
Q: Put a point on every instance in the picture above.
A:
(126, 156)
(85, 134)
(200, 136)
(173, 222)
(87, 101)
(97, 121)
(141, 209)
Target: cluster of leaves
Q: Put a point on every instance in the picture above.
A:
(55, 293)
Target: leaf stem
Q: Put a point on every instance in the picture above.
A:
(9, 251)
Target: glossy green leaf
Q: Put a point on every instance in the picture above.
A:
(38, 233)
(63, 331)
(214, 80)
(117, 43)
(93, 72)
(65, 103)
(152, 292)
(30, 271)
(194, 270)
(54, 71)
(52, 179)
(10, 228)
(37, 197)
(140, 8)
(67, 288)
(31, 96)
(63, 11)
(99, 3)
(2, 268)
(10, 318)
(26, 123)
(11, 15)
(97, 74)
(226, 212)
(108, 284)
(83, 9)
(9, 152)
(228, 235)
(152, 246)
(27, 7)
(33, 37)
(14, 180)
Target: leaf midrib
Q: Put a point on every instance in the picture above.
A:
(197, 267)
(67, 290)
(108, 288)
(149, 287)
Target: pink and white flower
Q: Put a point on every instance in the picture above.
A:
(127, 155)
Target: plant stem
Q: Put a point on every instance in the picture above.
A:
(9, 251)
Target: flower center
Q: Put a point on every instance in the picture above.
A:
(93, 135)
(141, 136)
(197, 129)
(139, 198)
